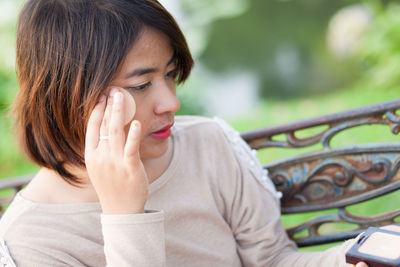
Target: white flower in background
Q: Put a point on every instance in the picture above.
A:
(346, 28)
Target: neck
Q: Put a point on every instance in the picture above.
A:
(49, 187)
(155, 167)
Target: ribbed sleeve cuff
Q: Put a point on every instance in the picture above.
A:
(134, 239)
(149, 216)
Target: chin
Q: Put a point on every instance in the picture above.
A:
(153, 150)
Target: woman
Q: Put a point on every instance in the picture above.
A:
(123, 182)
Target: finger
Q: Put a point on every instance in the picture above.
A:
(116, 125)
(94, 123)
(132, 156)
(107, 114)
(361, 264)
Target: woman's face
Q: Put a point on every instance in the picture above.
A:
(148, 74)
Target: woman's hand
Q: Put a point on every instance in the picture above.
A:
(114, 164)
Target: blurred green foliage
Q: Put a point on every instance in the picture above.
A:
(12, 162)
(376, 67)
(283, 43)
(379, 54)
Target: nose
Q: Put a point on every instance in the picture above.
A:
(167, 102)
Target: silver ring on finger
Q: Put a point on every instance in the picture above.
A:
(104, 137)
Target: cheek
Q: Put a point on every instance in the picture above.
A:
(144, 134)
(144, 113)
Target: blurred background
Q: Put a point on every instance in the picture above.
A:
(261, 63)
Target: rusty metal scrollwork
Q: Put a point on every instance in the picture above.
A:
(384, 114)
(336, 182)
(326, 181)
(334, 178)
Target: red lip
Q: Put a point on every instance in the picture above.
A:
(163, 133)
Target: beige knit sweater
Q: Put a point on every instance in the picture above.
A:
(213, 206)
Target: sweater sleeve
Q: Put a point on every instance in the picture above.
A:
(253, 212)
(134, 239)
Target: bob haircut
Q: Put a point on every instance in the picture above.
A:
(67, 54)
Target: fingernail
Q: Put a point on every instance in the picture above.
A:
(118, 97)
(102, 98)
(136, 124)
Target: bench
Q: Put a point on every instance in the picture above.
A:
(331, 178)
(334, 178)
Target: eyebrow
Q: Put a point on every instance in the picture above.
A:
(139, 72)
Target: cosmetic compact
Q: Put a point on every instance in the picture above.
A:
(376, 247)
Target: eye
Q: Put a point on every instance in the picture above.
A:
(139, 87)
(172, 74)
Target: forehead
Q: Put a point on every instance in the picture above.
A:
(151, 50)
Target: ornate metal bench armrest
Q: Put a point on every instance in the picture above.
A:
(334, 178)
(382, 113)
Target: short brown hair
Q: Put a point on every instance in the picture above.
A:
(67, 54)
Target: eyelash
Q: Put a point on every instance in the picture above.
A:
(171, 74)
(139, 87)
